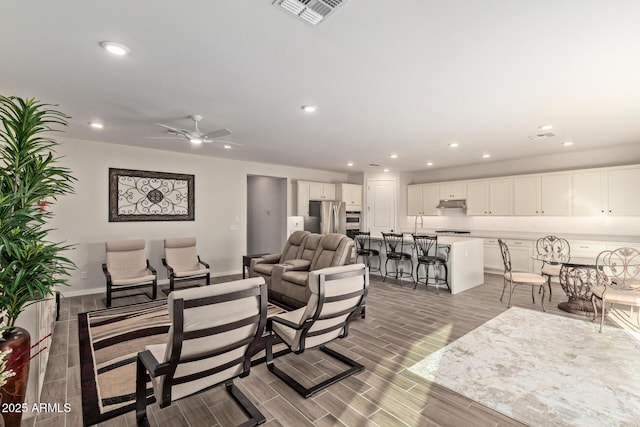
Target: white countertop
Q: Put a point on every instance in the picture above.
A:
(535, 235)
(444, 239)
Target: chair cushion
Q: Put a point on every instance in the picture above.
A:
(126, 261)
(200, 272)
(551, 270)
(133, 281)
(298, 265)
(180, 254)
(297, 277)
(522, 277)
(631, 297)
(266, 269)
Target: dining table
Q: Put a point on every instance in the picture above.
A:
(580, 276)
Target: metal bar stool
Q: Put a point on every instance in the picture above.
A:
(394, 244)
(431, 256)
(363, 249)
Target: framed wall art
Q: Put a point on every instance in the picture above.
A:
(136, 195)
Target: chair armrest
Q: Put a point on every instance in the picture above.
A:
(297, 265)
(106, 272)
(202, 262)
(151, 269)
(269, 259)
(168, 267)
(286, 322)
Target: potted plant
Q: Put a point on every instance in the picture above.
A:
(30, 265)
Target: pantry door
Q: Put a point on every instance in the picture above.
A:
(381, 205)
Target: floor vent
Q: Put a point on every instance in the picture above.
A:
(310, 11)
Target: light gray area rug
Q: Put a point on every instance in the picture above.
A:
(544, 370)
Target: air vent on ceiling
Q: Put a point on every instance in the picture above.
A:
(542, 135)
(373, 165)
(310, 11)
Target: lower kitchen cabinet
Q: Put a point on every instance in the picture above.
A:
(521, 252)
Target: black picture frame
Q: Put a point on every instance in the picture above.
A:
(137, 195)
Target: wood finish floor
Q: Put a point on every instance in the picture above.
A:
(402, 326)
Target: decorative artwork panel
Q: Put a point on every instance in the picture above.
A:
(136, 195)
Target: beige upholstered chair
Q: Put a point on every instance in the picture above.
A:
(553, 252)
(183, 263)
(263, 266)
(515, 278)
(291, 278)
(127, 267)
(337, 295)
(619, 281)
(213, 334)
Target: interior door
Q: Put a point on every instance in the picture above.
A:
(381, 205)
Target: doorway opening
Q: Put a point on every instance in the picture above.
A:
(266, 214)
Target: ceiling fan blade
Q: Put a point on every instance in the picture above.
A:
(172, 129)
(219, 141)
(164, 137)
(218, 133)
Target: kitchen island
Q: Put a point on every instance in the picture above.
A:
(465, 264)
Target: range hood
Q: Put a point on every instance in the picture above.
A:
(452, 204)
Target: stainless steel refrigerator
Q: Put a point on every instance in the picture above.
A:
(327, 216)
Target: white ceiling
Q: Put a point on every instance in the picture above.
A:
(402, 76)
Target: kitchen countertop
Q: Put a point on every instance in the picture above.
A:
(534, 236)
(443, 239)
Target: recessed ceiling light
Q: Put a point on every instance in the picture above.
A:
(393, 156)
(429, 163)
(545, 127)
(486, 156)
(195, 141)
(453, 144)
(567, 143)
(350, 164)
(115, 48)
(386, 170)
(309, 108)
(227, 147)
(96, 125)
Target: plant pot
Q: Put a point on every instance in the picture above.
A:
(13, 392)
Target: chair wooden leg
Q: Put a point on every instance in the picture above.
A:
(141, 394)
(256, 416)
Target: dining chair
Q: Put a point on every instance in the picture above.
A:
(552, 251)
(516, 278)
(619, 281)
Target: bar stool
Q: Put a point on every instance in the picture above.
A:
(431, 255)
(394, 244)
(363, 249)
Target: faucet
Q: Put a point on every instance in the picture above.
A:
(415, 224)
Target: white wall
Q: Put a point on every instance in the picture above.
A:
(220, 202)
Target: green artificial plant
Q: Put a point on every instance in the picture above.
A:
(30, 265)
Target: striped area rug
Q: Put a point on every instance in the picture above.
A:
(109, 344)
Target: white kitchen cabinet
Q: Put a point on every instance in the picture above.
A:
(526, 195)
(589, 192)
(422, 199)
(490, 197)
(555, 194)
(623, 191)
(521, 252)
(548, 194)
(492, 256)
(303, 198)
(453, 190)
(322, 191)
(351, 194)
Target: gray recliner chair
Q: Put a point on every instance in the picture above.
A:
(263, 266)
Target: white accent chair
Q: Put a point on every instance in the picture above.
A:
(183, 263)
(126, 267)
(213, 334)
(515, 278)
(337, 296)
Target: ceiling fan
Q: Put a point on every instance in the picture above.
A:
(196, 136)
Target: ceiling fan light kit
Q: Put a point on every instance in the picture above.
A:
(196, 136)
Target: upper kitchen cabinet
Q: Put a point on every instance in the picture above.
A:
(351, 194)
(322, 191)
(624, 191)
(313, 191)
(490, 197)
(548, 194)
(422, 199)
(453, 190)
(607, 192)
